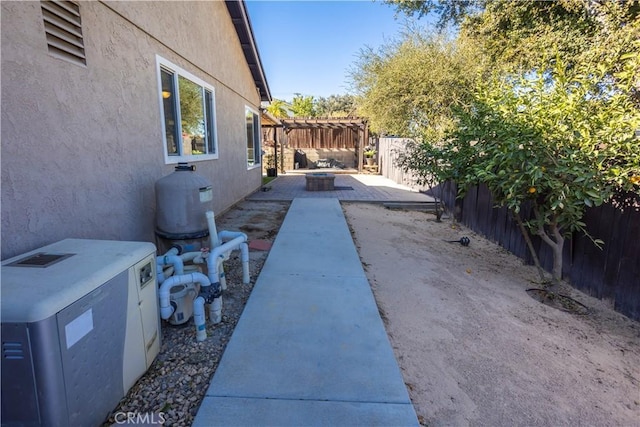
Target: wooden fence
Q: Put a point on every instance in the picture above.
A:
(315, 138)
(611, 273)
(388, 149)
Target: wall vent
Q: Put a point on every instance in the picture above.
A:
(63, 28)
(12, 350)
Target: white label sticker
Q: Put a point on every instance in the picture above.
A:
(206, 194)
(79, 327)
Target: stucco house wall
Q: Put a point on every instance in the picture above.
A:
(82, 146)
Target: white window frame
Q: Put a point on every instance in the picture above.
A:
(162, 63)
(257, 147)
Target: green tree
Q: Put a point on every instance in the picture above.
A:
(448, 12)
(410, 84)
(303, 106)
(278, 108)
(560, 141)
(554, 128)
(521, 34)
(335, 106)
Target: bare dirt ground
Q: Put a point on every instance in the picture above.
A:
(474, 348)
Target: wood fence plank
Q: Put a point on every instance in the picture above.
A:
(627, 295)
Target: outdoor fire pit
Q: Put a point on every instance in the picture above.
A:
(320, 181)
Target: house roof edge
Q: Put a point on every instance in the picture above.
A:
(240, 18)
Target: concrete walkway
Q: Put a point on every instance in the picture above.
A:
(352, 188)
(310, 347)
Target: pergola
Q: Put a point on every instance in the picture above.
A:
(357, 124)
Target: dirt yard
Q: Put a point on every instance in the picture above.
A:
(474, 348)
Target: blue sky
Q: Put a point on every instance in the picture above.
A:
(307, 47)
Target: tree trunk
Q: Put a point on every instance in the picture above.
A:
(557, 259)
(527, 239)
(555, 240)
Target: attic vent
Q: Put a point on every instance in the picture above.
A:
(12, 350)
(63, 28)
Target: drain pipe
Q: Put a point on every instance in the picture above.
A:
(166, 307)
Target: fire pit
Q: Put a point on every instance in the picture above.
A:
(320, 181)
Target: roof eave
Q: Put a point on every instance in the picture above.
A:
(240, 18)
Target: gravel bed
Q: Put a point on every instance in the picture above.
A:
(174, 386)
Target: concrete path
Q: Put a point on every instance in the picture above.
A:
(310, 347)
(353, 188)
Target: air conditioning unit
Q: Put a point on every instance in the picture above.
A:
(80, 325)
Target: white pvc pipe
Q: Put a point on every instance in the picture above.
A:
(166, 309)
(166, 272)
(223, 277)
(160, 264)
(215, 311)
(199, 319)
(220, 251)
(173, 260)
(173, 251)
(190, 256)
(213, 232)
(225, 235)
(244, 251)
(159, 273)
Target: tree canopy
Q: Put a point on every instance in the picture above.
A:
(309, 106)
(412, 82)
(303, 106)
(335, 106)
(537, 100)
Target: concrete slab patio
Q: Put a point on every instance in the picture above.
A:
(310, 347)
(351, 188)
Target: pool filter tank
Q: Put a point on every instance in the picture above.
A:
(182, 200)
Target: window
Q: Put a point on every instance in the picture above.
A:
(188, 115)
(252, 120)
(63, 28)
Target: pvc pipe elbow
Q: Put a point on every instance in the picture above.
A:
(173, 251)
(166, 312)
(176, 261)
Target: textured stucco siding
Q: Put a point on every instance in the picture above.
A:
(82, 146)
